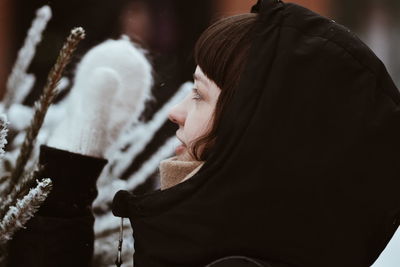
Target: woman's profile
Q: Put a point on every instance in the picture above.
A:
(288, 155)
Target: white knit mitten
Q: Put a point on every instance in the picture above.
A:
(111, 85)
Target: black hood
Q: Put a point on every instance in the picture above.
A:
(306, 168)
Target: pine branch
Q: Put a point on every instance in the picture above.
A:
(18, 215)
(19, 83)
(49, 93)
(19, 190)
(3, 133)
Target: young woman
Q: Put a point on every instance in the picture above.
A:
(301, 164)
(288, 156)
(220, 54)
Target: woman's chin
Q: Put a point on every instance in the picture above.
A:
(179, 150)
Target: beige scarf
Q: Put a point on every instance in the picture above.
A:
(174, 171)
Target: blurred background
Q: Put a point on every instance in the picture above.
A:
(168, 29)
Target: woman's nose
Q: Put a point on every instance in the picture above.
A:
(177, 115)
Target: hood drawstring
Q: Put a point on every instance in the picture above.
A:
(118, 260)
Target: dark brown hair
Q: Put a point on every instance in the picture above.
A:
(221, 52)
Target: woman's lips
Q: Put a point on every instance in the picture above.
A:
(181, 148)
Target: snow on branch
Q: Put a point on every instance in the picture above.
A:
(20, 83)
(19, 190)
(143, 134)
(18, 215)
(41, 106)
(3, 133)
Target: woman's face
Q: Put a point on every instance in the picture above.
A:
(194, 113)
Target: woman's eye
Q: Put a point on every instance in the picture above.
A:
(196, 95)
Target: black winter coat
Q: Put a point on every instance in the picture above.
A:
(305, 169)
(61, 233)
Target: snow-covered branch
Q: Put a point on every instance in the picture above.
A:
(18, 215)
(20, 83)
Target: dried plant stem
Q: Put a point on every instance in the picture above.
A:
(41, 106)
(17, 216)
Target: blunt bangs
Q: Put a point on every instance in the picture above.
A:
(221, 49)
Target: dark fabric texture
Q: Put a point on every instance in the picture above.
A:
(238, 261)
(61, 233)
(305, 170)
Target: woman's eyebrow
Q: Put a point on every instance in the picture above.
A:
(202, 89)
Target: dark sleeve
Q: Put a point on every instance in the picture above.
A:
(61, 232)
